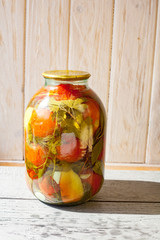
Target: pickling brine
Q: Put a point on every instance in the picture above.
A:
(64, 128)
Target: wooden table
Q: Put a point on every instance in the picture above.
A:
(127, 207)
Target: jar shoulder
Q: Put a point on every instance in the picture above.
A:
(60, 93)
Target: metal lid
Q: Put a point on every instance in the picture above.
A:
(66, 75)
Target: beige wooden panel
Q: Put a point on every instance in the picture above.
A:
(153, 146)
(11, 78)
(131, 77)
(90, 41)
(47, 26)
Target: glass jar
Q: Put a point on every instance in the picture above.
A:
(64, 128)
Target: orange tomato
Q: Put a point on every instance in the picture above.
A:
(25, 134)
(70, 149)
(93, 112)
(32, 174)
(48, 186)
(42, 123)
(35, 154)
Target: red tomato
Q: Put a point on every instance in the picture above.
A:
(70, 149)
(65, 92)
(35, 154)
(42, 123)
(96, 182)
(93, 112)
(94, 179)
(48, 186)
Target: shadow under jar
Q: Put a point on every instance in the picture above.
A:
(64, 127)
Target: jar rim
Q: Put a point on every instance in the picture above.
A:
(65, 75)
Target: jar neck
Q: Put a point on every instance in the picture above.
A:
(55, 82)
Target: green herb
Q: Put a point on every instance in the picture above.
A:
(77, 104)
(77, 166)
(62, 165)
(97, 150)
(97, 168)
(87, 191)
(39, 170)
(44, 141)
(100, 131)
(68, 109)
(49, 142)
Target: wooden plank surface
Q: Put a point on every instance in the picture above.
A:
(47, 26)
(31, 220)
(12, 15)
(153, 146)
(135, 186)
(131, 78)
(90, 42)
(24, 217)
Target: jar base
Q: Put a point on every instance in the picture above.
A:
(42, 198)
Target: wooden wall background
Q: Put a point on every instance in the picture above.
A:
(118, 42)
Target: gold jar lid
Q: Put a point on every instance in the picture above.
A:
(66, 75)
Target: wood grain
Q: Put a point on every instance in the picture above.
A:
(117, 217)
(11, 80)
(47, 26)
(124, 186)
(58, 34)
(153, 146)
(90, 42)
(31, 220)
(131, 78)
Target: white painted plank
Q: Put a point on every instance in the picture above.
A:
(32, 220)
(153, 146)
(11, 78)
(131, 78)
(90, 42)
(47, 26)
